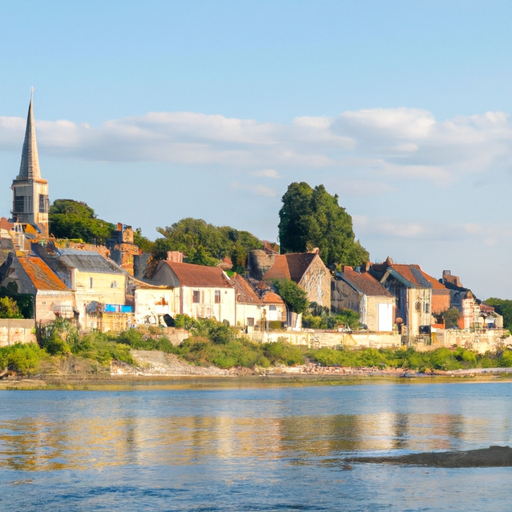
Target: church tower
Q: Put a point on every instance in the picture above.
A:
(29, 191)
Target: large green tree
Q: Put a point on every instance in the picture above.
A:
(205, 244)
(312, 218)
(74, 219)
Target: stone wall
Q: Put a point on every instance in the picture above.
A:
(16, 331)
(330, 339)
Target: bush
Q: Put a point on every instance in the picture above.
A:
(22, 358)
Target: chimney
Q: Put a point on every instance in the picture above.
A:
(175, 256)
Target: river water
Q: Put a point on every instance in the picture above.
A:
(251, 449)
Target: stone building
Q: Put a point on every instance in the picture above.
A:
(413, 294)
(306, 269)
(122, 249)
(361, 292)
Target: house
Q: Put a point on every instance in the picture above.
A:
(412, 291)
(306, 269)
(361, 292)
(32, 276)
(154, 304)
(257, 304)
(99, 286)
(200, 291)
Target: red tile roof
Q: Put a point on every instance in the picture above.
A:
(436, 285)
(199, 275)
(40, 274)
(365, 283)
(290, 266)
(244, 291)
(271, 297)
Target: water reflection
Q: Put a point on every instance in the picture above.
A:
(83, 442)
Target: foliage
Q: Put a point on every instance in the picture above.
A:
(280, 352)
(318, 317)
(504, 308)
(205, 244)
(450, 316)
(22, 358)
(24, 301)
(440, 359)
(312, 218)
(142, 242)
(51, 336)
(74, 219)
(296, 298)
(9, 308)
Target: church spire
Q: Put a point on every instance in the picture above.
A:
(29, 168)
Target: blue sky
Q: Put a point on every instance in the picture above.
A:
(155, 111)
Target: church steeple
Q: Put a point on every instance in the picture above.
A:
(29, 168)
(29, 191)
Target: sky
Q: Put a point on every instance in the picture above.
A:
(155, 111)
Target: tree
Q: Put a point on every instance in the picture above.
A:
(74, 219)
(203, 243)
(9, 308)
(312, 218)
(296, 298)
(451, 317)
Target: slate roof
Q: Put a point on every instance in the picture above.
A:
(40, 274)
(86, 261)
(199, 276)
(290, 266)
(364, 283)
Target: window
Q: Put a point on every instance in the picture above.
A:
(114, 284)
(196, 297)
(43, 203)
(250, 322)
(272, 308)
(217, 296)
(427, 308)
(90, 282)
(19, 204)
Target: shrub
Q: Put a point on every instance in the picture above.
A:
(22, 358)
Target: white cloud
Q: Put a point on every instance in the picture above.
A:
(487, 232)
(258, 190)
(266, 173)
(383, 145)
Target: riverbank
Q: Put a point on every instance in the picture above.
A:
(157, 369)
(142, 382)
